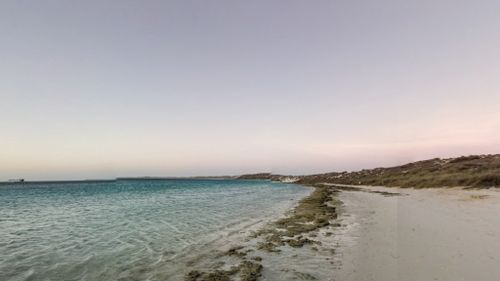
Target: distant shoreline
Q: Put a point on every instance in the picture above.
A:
(475, 171)
(114, 180)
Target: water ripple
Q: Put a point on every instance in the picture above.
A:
(124, 229)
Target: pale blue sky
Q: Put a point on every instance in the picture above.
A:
(98, 89)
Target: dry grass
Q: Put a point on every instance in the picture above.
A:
(470, 171)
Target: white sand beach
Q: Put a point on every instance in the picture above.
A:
(429, 234)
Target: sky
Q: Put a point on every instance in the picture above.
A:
(101, 89)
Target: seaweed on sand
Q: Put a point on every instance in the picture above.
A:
(235, 251)
(248, 271)
(312, 213)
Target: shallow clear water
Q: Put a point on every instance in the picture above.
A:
(124, 230)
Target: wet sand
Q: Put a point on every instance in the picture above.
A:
(298, 246)
(373, 233)
(429, 234)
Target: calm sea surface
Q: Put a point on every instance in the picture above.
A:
(125, 230)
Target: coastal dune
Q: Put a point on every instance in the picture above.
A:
(426, 234)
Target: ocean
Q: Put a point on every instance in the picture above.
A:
(128, 229)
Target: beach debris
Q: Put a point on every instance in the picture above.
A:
(257, 258)
(248, 271)
(193, 275)
(235, 251)
(268, 246)
(299, 242)
(305, 276)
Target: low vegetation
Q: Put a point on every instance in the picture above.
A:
(478, 171)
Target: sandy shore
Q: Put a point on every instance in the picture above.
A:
(370, 233)
(298, 246)
(429, 234)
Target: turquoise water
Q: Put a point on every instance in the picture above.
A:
(125, 230)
